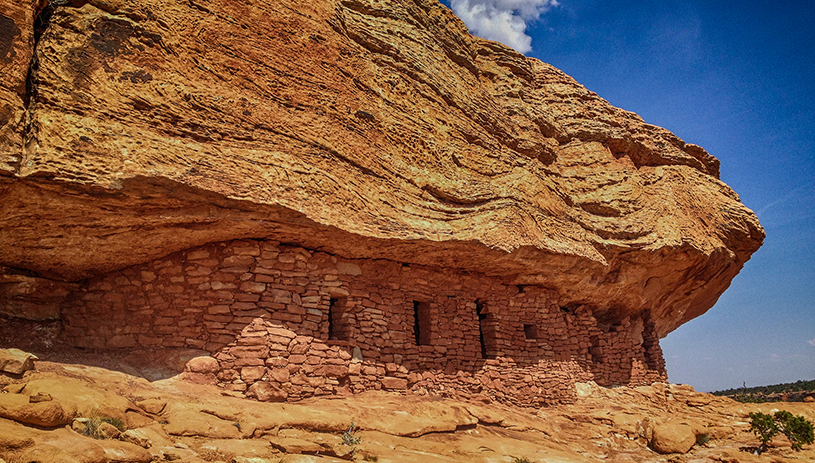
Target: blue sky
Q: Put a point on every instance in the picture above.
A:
(737, 78)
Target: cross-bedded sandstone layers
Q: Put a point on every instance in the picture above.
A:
(365, 129)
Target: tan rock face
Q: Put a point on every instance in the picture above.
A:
(364, 129)
(673, 438)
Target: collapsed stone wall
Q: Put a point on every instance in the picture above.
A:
(286, 322)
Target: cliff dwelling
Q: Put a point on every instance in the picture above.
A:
(305, 323)
(331, 197)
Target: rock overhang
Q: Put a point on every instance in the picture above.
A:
(374, 130)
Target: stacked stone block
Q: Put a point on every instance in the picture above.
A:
(288, 323)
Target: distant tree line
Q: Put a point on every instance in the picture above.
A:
(797, 391)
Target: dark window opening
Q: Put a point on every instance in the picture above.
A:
(521, 288)
(479, 311)
(339, 326)
(596, 350)
(565, 309)
(421, 323)
(530, 332)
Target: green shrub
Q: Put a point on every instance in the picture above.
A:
(702, 439)
(92, 425)
(797, 429)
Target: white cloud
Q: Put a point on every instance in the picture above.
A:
(812, 342)
(502, 20)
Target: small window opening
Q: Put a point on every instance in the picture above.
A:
(421, 323)
(565, 309)
(596, 350)
(521, 288)
(339, 327)
(479, 311)
(530, 332)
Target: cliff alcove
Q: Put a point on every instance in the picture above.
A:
(477, 214)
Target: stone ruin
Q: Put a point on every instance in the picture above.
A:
(336, 196)
(307, 323)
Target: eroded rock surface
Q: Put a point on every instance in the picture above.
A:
(361, 128)
(196, 423)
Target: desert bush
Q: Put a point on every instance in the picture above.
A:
(348, 437)
(797, 429)
(92, 425)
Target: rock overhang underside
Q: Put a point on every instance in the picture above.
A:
(131, 130)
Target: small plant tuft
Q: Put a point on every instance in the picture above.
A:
(348, 437)
(521, 460)
(92, 425)
(371, 458)
(702, 439)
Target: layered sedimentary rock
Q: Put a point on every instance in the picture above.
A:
(360, 130)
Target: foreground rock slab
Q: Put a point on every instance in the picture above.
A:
(615, 425)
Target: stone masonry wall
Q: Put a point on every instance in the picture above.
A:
(286, 323)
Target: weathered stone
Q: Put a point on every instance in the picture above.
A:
(672, 438)
(297, 446)
(108, 431)
(266, 392)
(48, 414)
(251, 374)
(15, 361)
(394, 383)
(204, 364)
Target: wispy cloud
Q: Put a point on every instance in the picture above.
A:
(791, 194)
(812, 342)
(502, 20)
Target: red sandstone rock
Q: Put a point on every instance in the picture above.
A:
(672, 438)
(374, 130)
(47, 414)
(15, 361)
(394, 383)
(266, 392)
(203, 365)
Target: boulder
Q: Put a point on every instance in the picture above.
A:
(152, 405)
(108, 431)
(203, 364)
(265, 391)
(16, 407)
(672, 438)
(15, 361)
(395, 135)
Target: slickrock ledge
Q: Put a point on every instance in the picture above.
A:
(363, 129)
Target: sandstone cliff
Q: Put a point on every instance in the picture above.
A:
(130, 130)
